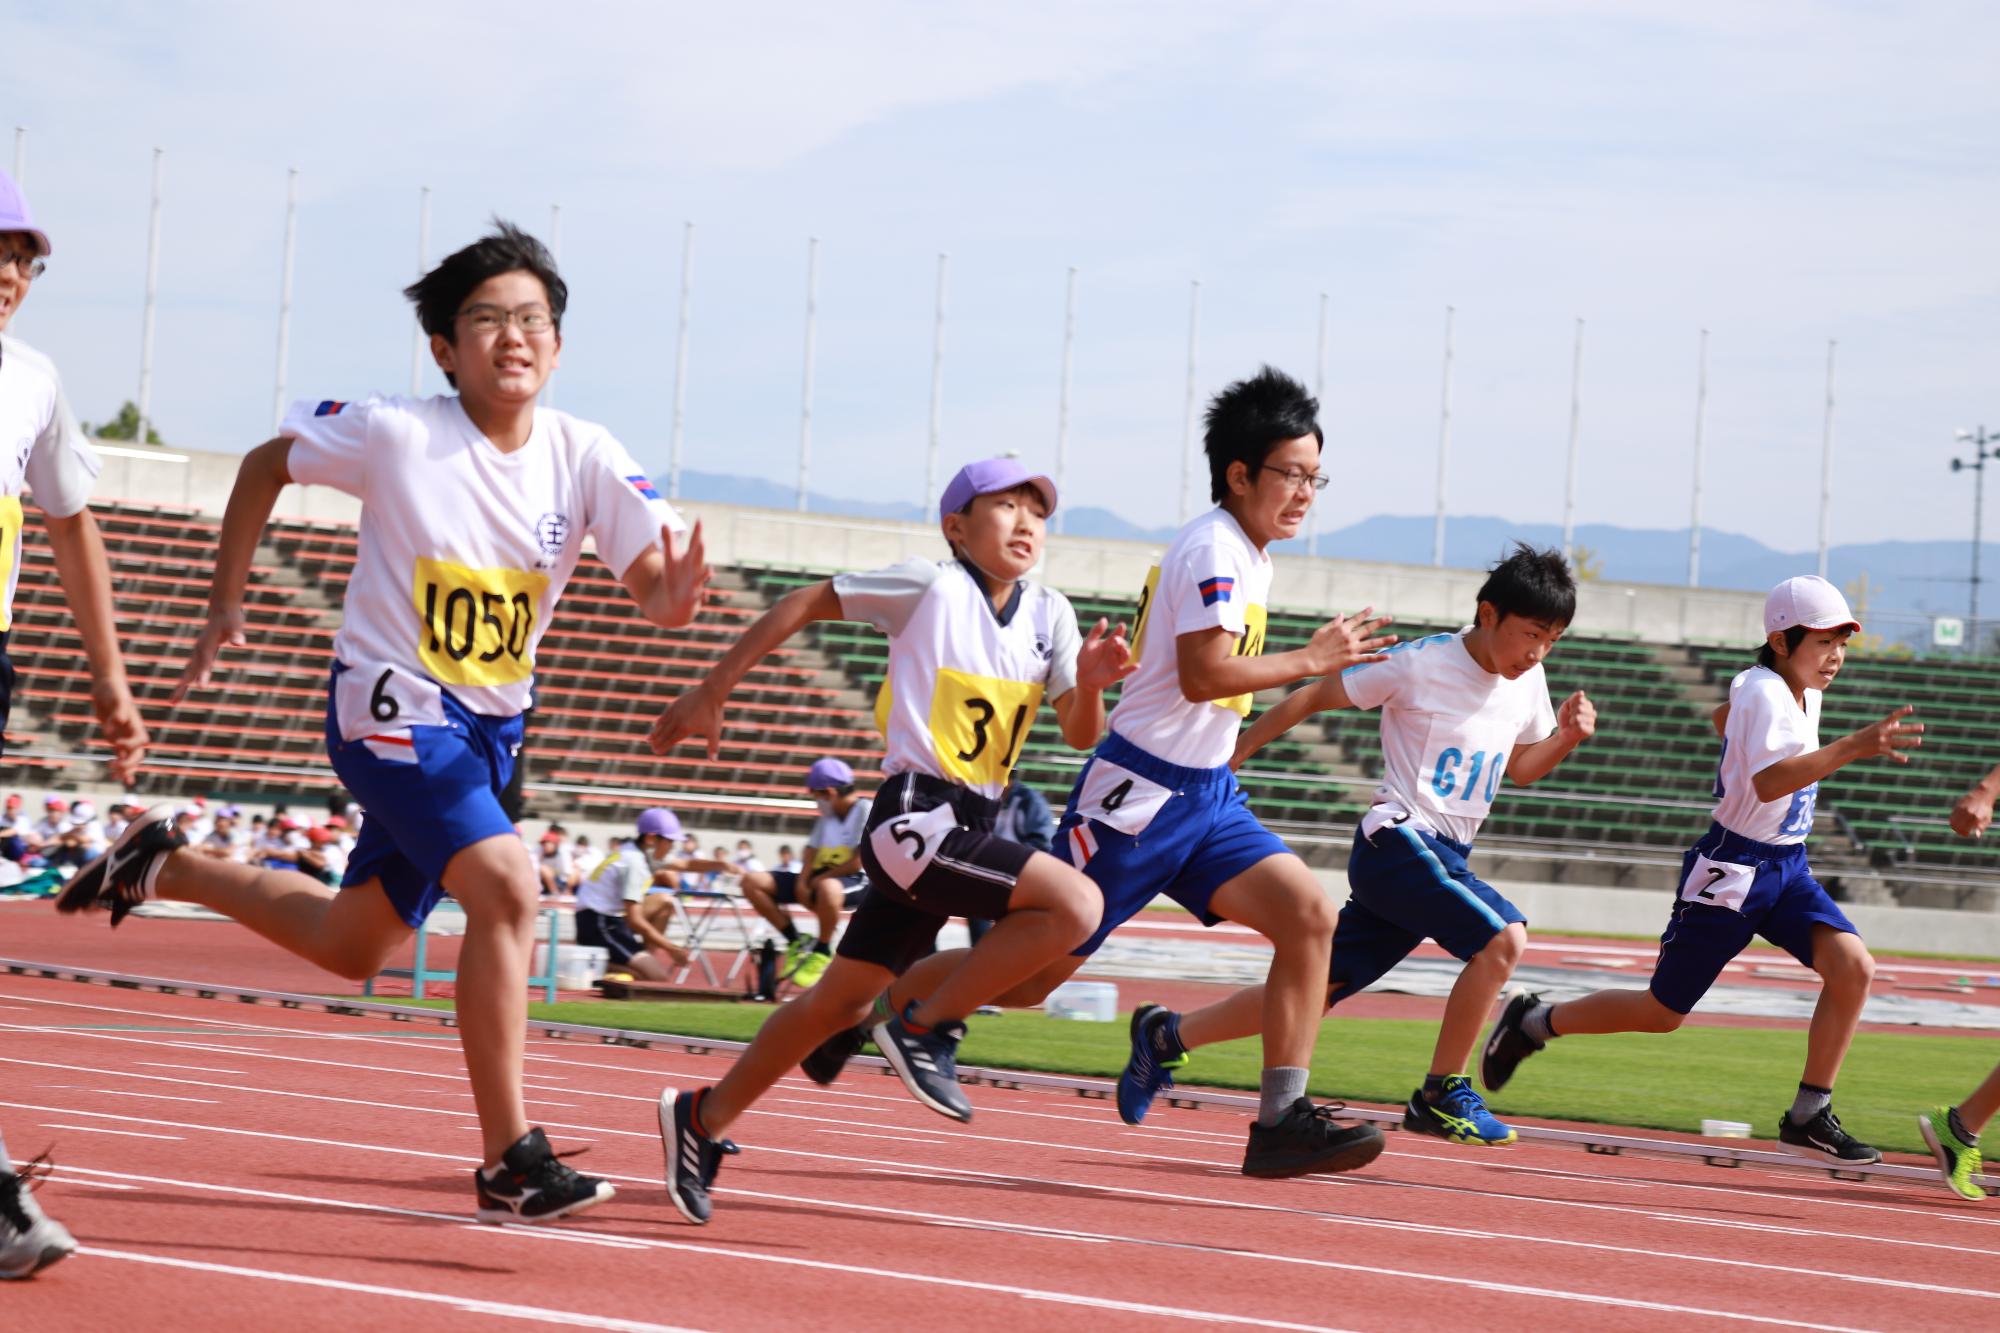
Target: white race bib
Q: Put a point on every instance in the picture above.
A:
(1120, 798)
(1718, 883)
(905, 845)
(382, 700)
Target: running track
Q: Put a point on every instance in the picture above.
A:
(234, 1167)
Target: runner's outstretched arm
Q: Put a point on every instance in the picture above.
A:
(264, 473)
(698, 712)
(1323, 695)
(85, 573)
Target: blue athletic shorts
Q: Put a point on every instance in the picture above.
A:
(1404, 887)
(1718, 910)
(1188, 831)
(423, 811)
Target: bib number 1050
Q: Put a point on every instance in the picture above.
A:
(476, 626)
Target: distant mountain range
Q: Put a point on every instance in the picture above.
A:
(1906, 581)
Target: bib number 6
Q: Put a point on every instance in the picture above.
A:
(371, 698)
(905, 845)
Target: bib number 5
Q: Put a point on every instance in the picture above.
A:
(905, 845)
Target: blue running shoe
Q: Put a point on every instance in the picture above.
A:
(1460, 1116)
(1146, 1073)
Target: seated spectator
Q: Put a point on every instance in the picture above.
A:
(323, 856)
(48, 830)
(86, 831)
(746, 857)
(787, 861)
(556, 862)
(281, 844)
(834, 881)
(226, 841)
(690, 850)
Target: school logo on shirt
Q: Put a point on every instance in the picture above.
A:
(1043, 648)
(330, 408)
(552, 533)
(1216, 589)
(644, 485)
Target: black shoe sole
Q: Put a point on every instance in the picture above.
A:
(502, 1215)
(1821, 1155)
(1508, 1024)
(911, 1083)
(49, 1255)
(1357, 1152)
(822, 1069)
(85, 890)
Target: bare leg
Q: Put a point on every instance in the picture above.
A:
(645, 965)
(1614, 1011)
(1846, 967)
(349, 932)
(924, 976)
(495, 882)
(758, 887)
(827, 897)
(1281, 900)
(1052, 909)
(840, 1001)
(1240, 1014)
(1472, 997)
(1977, 1109)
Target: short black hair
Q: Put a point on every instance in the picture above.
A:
(440, 293)
(1767, 656)
(1534, 583)
(1250, 418)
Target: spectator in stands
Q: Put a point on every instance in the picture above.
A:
(611, 903)
(226, 841)
(745, 860)
(43, 450)
(1952, 1132)
(45, 838)
(835, 882)
(13, 831)
(788, 861)
(557, 862)
(85, 832)
(322, 857)
(195, 821)
(281, 844)
(690, 850)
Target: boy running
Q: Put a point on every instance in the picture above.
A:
(1748, 875)
(1953, 1131)
(832, 880)
(1458, 711)
(974, 647)
(474, 511)
(1157, 809)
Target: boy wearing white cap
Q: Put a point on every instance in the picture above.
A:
(974, 648)
(1748, 875)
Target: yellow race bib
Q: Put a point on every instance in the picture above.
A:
(1146, 595)
(10, 551)
(1248, 644)
(979, 723)
(475, 625)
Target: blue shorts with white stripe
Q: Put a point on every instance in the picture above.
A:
(1407, 886)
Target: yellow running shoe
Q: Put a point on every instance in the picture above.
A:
(1958, 1163)
(811, 970)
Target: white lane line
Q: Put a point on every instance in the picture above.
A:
(638, 1242)
(121, 1133)
(469, 1304)
(148, 1096)
(894, 1138)
(199, 1069)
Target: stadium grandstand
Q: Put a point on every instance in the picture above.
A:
(1657, 661)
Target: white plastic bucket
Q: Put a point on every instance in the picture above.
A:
(1088, 1001)
(578, 966)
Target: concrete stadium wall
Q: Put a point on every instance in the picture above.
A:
(737, 534)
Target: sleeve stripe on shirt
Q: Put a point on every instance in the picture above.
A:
(644, 485)
(1216, 589)
(330, 408)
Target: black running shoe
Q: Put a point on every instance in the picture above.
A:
(117, 879)
(1823, 1137)
(927, 1062)
(828, 1058)
(533, 1185)
(693, 1158)
(1507, 1045)
(1309, 1141)
(30, 1240)
(1146, 1074)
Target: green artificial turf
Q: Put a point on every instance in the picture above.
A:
(1671, 1081)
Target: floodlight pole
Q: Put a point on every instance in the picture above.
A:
(1575, 424)
(423, 263)
(152, 300)
(937, 391)
(1983, 449)
(681, 364)
(20, 153)
(1062, 397)
(1826, 469)
(806, 388)
(1700, 419)
(1444, 441)
(555, 253)
(285, 296)
(1319, 395)
(1188, 431)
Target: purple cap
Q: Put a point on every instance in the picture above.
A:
(14, 215)
(988, 475)
(661, 821)
(829, 773)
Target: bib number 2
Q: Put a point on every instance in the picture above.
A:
(1718, 883)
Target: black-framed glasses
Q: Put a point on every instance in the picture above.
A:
(530, 319)
(1297, 479)
(26, 262)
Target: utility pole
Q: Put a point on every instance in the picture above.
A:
(1984, 447)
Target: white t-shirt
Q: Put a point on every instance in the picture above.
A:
(837, 837)
(233, 844)
(1766, 725)
(1212, 576)
(463, 550)
(623, 877)
(560, 862)
(1449, 727)
(963, 683)
(42, 447)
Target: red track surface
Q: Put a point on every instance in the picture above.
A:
(235, 1167)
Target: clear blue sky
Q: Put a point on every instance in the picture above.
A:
(1780, 174)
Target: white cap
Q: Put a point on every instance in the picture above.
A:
(1807, 600)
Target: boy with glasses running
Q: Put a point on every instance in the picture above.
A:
(475, 507)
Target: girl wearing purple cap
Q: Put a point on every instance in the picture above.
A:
(1748, 876)
(974, 648)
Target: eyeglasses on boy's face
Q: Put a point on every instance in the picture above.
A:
(486, 320)
(1299, 479)
(26, 263)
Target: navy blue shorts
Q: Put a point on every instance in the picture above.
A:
(1731, 889)
(1140, 827)
(429, 792)
(1404, 887)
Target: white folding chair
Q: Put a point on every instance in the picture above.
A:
(715, 918)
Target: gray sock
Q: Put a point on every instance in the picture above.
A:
(1810, 1102)
(1281, 1087)
(1535, 1023)
(6, 1162)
